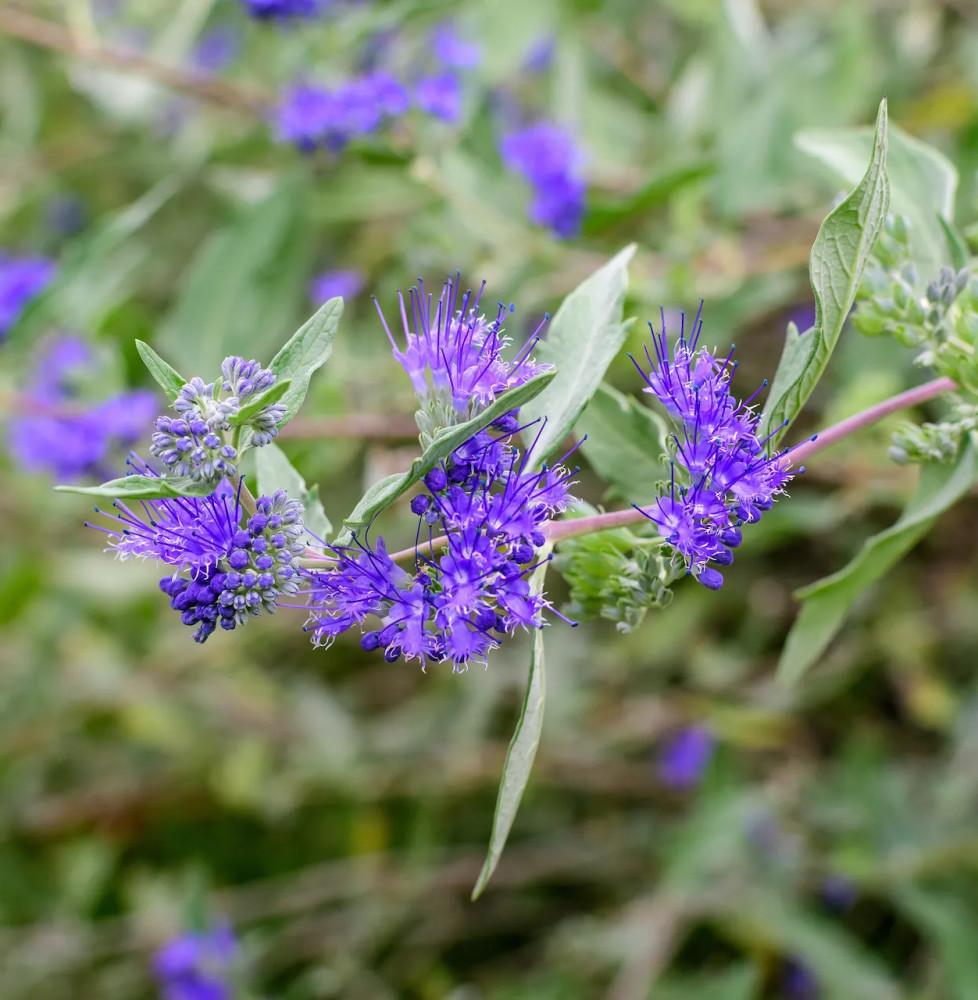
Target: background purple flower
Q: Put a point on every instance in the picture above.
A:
(440, 96)
(57, 431)
(798, 982)
(345, 284)
(684, 758)
(21, 279)
(450, 49)
(284, 10)
(197, 965)
(217, 49)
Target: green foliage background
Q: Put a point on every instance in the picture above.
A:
(335, 808)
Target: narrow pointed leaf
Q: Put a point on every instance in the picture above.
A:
(521, 753)
(273, 395)
(168, 379)
(274, 471)
(839, 255)
(145, 488)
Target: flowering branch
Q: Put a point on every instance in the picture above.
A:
(48, 35)
(560, 530)
(557, 531)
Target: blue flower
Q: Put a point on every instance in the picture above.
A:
(56, 430)
(217, 49)
(728, 478)
(685, 757)
(550, 160)
(197, 966)
(282, 10)
(440, 96)
(330, 284)
(314, 117)
(450, 49)
(493, 508)
(452, 352)
(21, 279)
(798, 982)
(228, 567)
(197, 441)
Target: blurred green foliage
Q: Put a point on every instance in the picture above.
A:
(335, 807)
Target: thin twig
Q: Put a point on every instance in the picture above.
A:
(48, 35)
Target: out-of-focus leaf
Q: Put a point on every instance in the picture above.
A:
(923, 183)
(585, 336)
(521, 753)
(364, 191)
(624, 441)
(145, 488)
(737, 983)
(308, 350)
(826, 602)
(839, 255)
(606, 212)
(275, 472)
(168, 379)
(842, 967)
(243, 290)
(383, 493)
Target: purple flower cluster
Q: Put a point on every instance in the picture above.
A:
(196, 441)
(685, 758)
(492, 508)
(21, 279)
(330, 284)
(57, 431)
(486, 499)
(228, 567)
(284, 10)
(197, 966)
(730, 479)
(550, 160)
(458, 349)
(316, 117)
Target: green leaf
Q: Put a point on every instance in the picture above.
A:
(274, 471)
(146, 488)
(827, 601)
(585, 336)
(839, 255)
(521, 753)
(243, 290)
(737, 983)
(272, 395)
(957, 248)
(382, 494)
(624, 442)
(168, 379)
(923, 183)
(307, 350)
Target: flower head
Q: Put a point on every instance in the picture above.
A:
(330, 284)
(196, 442)
(57, 430)
(284, 10)
(228, 567)
(493, 508)
(197, 966)
(440, 95)
(727, 477)
(21, 279)
(454, 352)
(550, 160)
(452, 50)
(685, 757)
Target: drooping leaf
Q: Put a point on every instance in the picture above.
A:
(923, 183)
(584, 337)
(243, 290)
(306, 351)
(168, 378)
(838, 258)
(383, 493)
(521, 753)
(274, 471)
(272, 395)
(826, 602)
(146, 488)
(624, 442)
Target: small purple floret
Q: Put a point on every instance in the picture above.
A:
(197, 966)
(685, 757)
